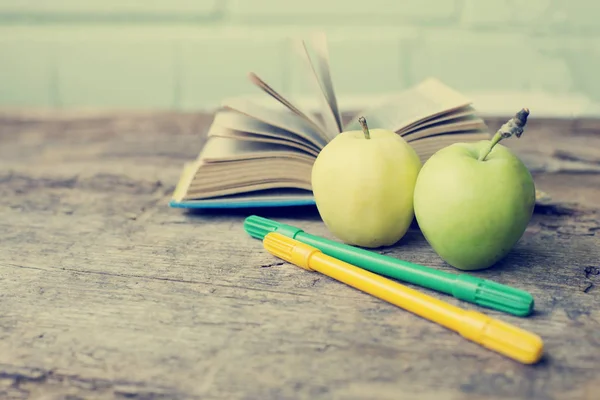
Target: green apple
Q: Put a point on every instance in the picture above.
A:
(473, 201)
(363, 183)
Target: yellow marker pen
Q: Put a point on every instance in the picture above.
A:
(506, 339)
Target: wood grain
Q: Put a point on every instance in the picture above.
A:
(106, 292)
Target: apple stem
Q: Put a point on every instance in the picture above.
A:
(513, 126)
(363, 122)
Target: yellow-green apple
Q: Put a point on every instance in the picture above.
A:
(473, 201)
(363, 184)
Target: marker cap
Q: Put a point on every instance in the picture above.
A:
(494, 295)
(259, 227)
(501, 337)
(289, 249)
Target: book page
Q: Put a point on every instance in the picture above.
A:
(461, 124)
(237, 176)
(247, 173)
(198, 194)
(322, 71)
(257, 81)
(328, 118)
(427, 99)
(219, 148)
(435, 120)
(286, 121)
(237, 123)
(221, 131)
(182, 186)
(426, 147)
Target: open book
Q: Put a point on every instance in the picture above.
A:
(257, 155)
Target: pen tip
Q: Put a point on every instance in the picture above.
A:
(259, 227)
(280, 246)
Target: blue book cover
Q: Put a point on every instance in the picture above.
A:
(224, 204)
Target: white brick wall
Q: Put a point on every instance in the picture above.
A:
(192, 53)
(367, 13)
(91, 7)
(214, 67)
(489, 60)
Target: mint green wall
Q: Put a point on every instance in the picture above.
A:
(186, 54)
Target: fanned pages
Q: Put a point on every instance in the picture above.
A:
(228, 123)
(319, 65)
(289, 121)
(324, 76)
(423, 102)
(262, 156)
(269, 90)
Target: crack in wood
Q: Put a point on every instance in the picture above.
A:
(590, 272)
(22, 183)
(165, 279)
(556, 209)
(25, 380)
(183, 281)
(101, 182)
(275, 264)
(571, 156)
(578, 222)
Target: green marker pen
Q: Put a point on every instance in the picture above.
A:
(465, 287)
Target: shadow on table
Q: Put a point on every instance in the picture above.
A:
(303, 213)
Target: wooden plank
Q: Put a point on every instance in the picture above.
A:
(108, 293)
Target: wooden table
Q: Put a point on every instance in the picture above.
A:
(106, 292)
